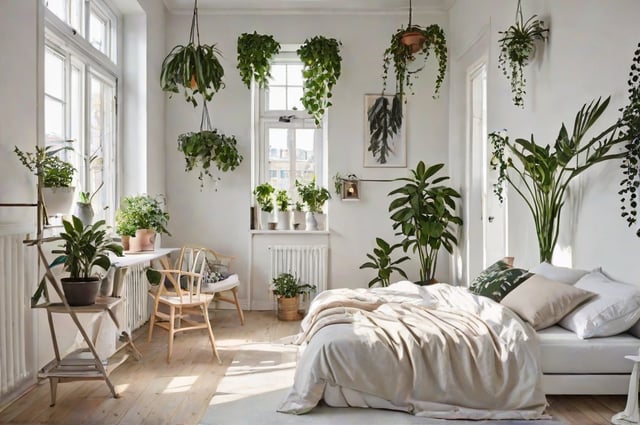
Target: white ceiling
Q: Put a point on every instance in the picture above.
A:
(280, 6)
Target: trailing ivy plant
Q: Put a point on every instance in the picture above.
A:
(207, 147)
(254, 57)
(194, 67)
(517, 47)
(321, 69)
(541, 176)
(631, 165)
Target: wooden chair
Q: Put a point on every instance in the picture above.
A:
(220, 262)
(180, 292)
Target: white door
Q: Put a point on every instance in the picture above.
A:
(486, 219)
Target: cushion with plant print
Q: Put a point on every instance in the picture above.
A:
(497, 280)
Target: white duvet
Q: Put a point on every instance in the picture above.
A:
(436, 351)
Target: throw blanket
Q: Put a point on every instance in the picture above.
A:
(436, 351)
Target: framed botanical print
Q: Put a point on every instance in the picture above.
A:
(382, 146)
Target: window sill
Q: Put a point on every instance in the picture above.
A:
(289, 232)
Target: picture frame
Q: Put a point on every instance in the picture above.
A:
(397, 155)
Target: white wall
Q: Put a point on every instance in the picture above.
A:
(588, 55)
(221, 219)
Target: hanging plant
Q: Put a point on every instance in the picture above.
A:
(254, 57)
(321, 59)
(517, 47)
(631, 164)
(207, 147)
(194, 67)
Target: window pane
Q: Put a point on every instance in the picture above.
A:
(277, 98)
(293, 98)
(305, 154)
(53, 120)
(53, 74)
(278, 166)
(76, 16)
(98, 36)
(294, 75)
(278, 75)
(76, 118)
(59, 8)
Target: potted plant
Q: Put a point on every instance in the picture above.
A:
(83, 209)
(298, 216)
(314, 197)
(541, 176)
(424, 214)
(287, 289)
(55, 176)
(195, 67)
(264, 197)
(517, 47)
(382, 262)
(284, 215)
(207, 147)
(322, 66)
(85, 247)
(254, 57)
(141, 217)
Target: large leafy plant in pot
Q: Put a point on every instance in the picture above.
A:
(85, 247)
(424, 213)
(540, 175)
(140, 217)
(194, 67)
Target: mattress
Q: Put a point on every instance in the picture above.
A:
(563, 352)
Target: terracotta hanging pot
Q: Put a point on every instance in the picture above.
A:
(194, 82)
(414, 39)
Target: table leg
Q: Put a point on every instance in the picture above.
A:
(630, 415)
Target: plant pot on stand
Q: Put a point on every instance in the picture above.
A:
(58, 200)
(81, 291)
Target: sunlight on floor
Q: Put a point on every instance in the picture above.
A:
(180, 384)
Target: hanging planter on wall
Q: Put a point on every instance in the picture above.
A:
(322, 66)
(517, 48)
(207, 147)
(254, 57)
(194, 67)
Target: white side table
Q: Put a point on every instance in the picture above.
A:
(631, 414)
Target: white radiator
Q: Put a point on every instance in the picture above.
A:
(18, 270)
(136, 297)
(308, 262)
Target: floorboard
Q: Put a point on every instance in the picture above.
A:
(156, 393)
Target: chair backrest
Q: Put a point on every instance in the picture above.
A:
(188, 271)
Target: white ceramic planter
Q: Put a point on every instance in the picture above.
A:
(58, 200)
(299, 220)
(265, 219)
(284, 220)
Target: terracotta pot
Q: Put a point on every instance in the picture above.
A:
(81, 291)
(193, 82)
(288, 308)
(144, 240)
(125, 241)
(414, 39)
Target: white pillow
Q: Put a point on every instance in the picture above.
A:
(559, 274)
(614, 310)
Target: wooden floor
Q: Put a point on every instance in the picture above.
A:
(153, 392)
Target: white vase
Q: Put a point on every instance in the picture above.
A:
(284, 220)
(265, 219)
(299, 220)
(321, 219)
(58, 200)
(311, 223)
(84, 212)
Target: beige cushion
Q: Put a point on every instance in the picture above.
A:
(543, 302)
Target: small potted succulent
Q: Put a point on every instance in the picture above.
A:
(287, 288)
(284, 215)
(141, 218)
(85, 247)
(264, 197)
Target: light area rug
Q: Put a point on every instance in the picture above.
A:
(259, 378)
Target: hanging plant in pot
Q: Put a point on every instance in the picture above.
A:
(85, 247)
(406, 47)
(194, 67)
(208, 147)
(322, 67)
(517, 47)
(254, 57)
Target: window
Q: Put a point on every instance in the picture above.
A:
(291, 147)
(80, 104)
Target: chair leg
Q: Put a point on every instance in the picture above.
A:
(172, 319)
(212, 340)
(235, 297)
(152, 323)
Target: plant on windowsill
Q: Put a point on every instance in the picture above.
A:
(284, 215)
(194, 67)
(264, 197)
(424, 213)
(541, 176)
(208, 147)
(55, 176)
(254, 57)
(287, 289)
(517, 47)
(314, 197)
(321, 69)
(299, 216)
(140, 217)
(85, 247)
(382, 262)
(83, 209)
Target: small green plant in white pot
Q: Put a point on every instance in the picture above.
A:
(264, 197)
(299, 216)
(283, 215)
(314, 197)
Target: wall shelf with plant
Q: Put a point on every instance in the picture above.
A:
(517, 48)
(194, 67)
(254, 57)
(321, 69)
